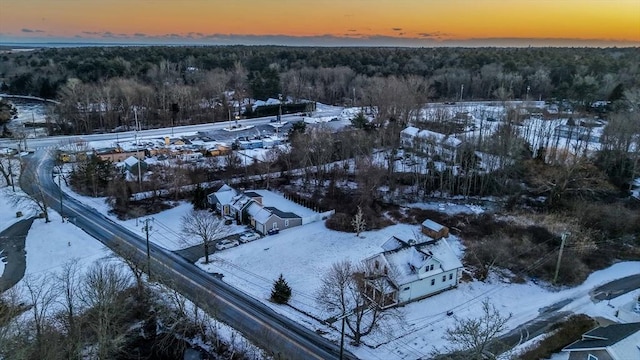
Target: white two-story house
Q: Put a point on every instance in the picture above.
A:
(416, 270)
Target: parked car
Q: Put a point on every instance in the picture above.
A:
(249, 236)
(273, 231)
(225, 244)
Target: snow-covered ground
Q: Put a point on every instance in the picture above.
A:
(165, 226)
(8, 210)
(303, 254)
(309, 251)
(49, 246)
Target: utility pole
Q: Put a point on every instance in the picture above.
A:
(279, 108)
(60, 193)
(146, 228)
(13, 186)
(564, 239)
(342, 338)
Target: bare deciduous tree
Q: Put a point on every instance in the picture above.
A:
(205, 226)
(41, 294)
(475, 338)
(101, 291)
(68, 283)
(358, 222)
(345, 290)
(36, 200)
(8, 168)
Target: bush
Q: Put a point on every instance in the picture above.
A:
(566, 333)
(339, 222)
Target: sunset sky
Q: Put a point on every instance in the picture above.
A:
(326, 22)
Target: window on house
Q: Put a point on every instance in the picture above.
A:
(431, 267)
(444, 278)
(592, 357)
(376, 265)
(433, 282)
(286, 223)
(450, 276)
(406, 289)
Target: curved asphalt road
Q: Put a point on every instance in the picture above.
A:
(12, 241)
(253, 319)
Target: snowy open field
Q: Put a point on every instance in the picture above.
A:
(309, 251)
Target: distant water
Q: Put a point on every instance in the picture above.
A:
(39, 45)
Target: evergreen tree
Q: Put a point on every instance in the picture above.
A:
(281, 292)
(199, 199)
(360, 121)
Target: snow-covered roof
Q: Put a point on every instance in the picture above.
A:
(393, 243)
(239, 201)
(272, 101)
(408, 260)
(271, 199)
(131, 161)
(259, 213)
(407, 263)
(225, 194)
(442, 251)
(432, 225)
(428, 134)
(411, 131)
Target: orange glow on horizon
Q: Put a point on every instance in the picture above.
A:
(440, 19)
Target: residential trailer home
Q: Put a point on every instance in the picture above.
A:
(416, 270)
(613, 342)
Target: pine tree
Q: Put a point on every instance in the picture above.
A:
(281, 292)
(199, 199)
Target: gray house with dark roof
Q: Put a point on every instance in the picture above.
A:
(614, 342)
(262, 209)
(265, 218)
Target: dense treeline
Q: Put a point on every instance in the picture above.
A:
(188, 84)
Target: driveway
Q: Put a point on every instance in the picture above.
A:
(12, 241)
